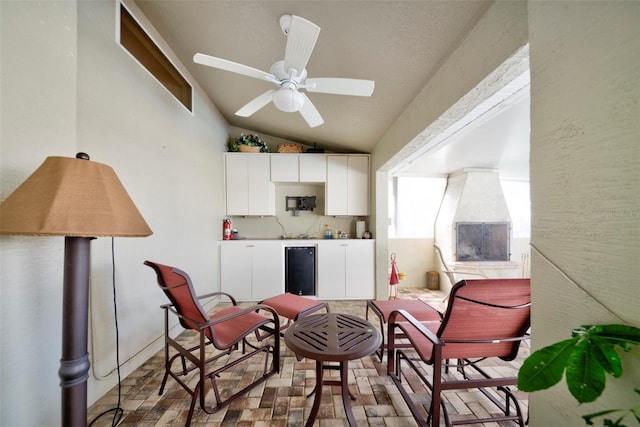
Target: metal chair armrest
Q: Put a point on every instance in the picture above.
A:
(414, 322)
(215, 294)
(202, 326)
(246, 310)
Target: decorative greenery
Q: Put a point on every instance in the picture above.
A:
(635, 411)
(586, 357)
(251, 141)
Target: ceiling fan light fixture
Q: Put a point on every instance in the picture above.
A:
(290, 74)
(288, 100)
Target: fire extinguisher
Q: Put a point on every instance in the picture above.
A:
(226, 229)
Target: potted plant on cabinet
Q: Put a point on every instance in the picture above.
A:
(249, 144)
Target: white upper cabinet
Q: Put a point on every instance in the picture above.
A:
(347, 189)
(298, 168)
(250, 181)
(336, 192)
(249, 190)
(284, 167)
(313, 168)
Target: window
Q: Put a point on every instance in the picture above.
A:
(413, 205)
(137, 42)
(516, 193)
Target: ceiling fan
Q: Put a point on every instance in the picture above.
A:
(290, 75)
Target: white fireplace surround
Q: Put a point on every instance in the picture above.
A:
(472, 195)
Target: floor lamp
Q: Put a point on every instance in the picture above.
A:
(81, 200)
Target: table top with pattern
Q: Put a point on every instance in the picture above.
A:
(333, 337)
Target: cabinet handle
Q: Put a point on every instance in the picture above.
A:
(344, 244)
(250, 246)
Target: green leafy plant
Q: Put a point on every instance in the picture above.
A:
(249, 140)
(585, 359)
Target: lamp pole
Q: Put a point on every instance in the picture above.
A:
(80, 200)
(74, 364)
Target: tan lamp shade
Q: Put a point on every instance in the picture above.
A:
(72, 197)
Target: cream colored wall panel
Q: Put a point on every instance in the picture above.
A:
(68, 87)
(38, 108)
(585, 104)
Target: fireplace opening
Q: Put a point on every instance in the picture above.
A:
(482, 241)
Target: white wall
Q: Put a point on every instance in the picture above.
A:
(68, 87)
(585, 157)
(311, 223)
(38, 118)
(471, 74)
(414, 257)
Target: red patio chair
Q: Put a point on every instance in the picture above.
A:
(485, 318)
(383, 309)
(223, 330)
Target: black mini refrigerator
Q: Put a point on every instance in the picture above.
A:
(300, 270)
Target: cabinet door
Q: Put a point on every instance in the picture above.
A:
(261, 200)
(313, 167)
(237, 184)
(267, 270)
(359, 273)
(235, 269)
(249, 190)
(358, 186)
(336, 191)
(284, 167)
(331, 269)
(347, 189)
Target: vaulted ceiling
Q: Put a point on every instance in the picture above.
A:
(398, 44)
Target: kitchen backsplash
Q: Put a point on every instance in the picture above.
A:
(285, 223)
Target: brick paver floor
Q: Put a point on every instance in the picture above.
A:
(281, 400)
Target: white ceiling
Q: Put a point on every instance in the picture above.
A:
(398, 44)
(495, 136)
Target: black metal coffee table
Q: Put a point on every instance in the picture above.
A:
(332, 337)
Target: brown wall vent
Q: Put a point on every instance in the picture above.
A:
(135, 40)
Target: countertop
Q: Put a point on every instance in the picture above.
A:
(288, 240)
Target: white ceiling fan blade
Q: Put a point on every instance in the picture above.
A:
(301, 39)
(234, 67)
(256, 104)
(339, 86)
(309, 113)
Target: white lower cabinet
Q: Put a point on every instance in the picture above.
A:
(346, 269)
(252, 270)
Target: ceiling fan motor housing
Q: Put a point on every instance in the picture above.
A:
(295, 76)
